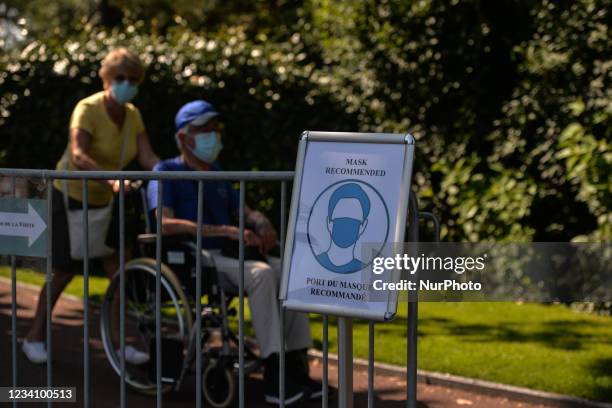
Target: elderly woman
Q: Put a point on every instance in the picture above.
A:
(106, 133)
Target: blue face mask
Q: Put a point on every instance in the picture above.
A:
(207, 146)
(345, 231)
(123, 91)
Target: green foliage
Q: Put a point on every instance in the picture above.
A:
(588, 167)
(488, 89)
(509, 101)
(561, 112)
(266, 107)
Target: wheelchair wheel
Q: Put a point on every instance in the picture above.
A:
(218, 383)
(176, 321)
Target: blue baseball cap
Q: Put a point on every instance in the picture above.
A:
(195, 113)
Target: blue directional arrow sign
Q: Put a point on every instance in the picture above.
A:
(23, 226)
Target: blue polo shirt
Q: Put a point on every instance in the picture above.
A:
(220, 198)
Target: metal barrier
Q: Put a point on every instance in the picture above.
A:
(344, 327)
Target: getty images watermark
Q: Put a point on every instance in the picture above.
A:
(423, 263)
(535, 272)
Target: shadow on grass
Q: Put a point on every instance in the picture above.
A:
(5, 308)
(559, 334)
(602, 370)
(567, 334)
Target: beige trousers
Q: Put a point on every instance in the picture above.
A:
(261, 281)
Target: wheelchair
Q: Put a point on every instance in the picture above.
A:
(178, 327)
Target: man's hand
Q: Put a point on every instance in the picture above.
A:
(250, 238)
(268, 236)
(263, 228)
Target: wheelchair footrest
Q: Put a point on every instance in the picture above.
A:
(250, 366)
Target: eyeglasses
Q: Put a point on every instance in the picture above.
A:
(121, 78)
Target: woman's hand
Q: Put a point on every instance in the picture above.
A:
(116, 185)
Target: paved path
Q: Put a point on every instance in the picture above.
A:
(68, 366)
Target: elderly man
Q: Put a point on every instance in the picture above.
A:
(198, 136)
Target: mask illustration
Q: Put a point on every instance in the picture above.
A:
(345, 231)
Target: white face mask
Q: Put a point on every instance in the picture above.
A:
(207, 146)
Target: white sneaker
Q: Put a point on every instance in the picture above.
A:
(133, 356)
(35, 351)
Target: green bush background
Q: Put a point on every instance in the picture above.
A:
(510, 101)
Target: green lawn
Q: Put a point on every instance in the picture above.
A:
(550, 348)
(97, 284)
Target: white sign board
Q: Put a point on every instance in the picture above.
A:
(350, 194)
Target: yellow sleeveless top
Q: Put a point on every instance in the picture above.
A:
(105, 145)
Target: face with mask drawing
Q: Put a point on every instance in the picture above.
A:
(347, 219)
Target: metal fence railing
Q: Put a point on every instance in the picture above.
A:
(47, 177)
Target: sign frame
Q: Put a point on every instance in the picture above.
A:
(396, 234)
